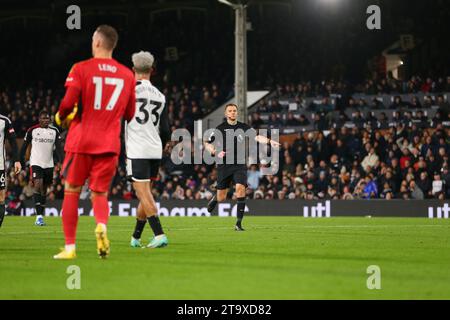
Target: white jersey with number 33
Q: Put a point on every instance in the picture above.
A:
(142, 133)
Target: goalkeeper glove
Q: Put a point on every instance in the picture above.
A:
(66, 122)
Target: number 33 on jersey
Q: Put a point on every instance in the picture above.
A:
(143, 139)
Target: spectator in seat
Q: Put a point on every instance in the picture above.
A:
(443, 105)
(257, 122)
(420, 116)
(320, 123)
(303, 121)
(352, 104)
(415, 103)
(291, 120)
(437, 186)
(377, 104)
(371, 120)
(274, 121)
(383, 121)
(197, 113)
(428, 102)
(358, 120)
(326, 105)
(254, 176)
(362, 104)
(439, 85)
(427, 86)
(207, 102)
(437, 119)
(386, 189)
(424, 183)
(397, 104)
(370, 160)
(446, 179)
(289, 166)
(370, 189)
(405, 158)
(347, 194)
(416, 192)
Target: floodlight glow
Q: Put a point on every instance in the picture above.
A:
(227, 3)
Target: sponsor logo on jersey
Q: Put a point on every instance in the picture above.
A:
(43, 140)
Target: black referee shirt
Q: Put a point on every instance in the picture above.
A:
(240, 133)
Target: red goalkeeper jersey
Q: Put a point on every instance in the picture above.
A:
(107, 90)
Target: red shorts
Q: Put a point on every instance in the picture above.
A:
(98, 168)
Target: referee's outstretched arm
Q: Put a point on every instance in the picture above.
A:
(265, 140)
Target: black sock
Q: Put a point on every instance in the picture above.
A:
(2, 212)
(38, 204)
(213, 200)
(140, 224)
(43, 200)
(240, 210)
(156, 225)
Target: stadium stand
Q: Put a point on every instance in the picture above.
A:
(337, 145)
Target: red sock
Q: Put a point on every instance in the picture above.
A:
(70, 215)
(101, 209)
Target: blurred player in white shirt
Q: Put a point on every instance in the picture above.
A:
(145, 137)
(44, 140)
(6, 133)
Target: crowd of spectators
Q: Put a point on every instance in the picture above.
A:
(400, 162)
(327, 88)
(407, 160)
(325, 104)
(185, 105)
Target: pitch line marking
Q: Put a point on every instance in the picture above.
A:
(228, 228)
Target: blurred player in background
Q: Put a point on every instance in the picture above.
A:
(6, 132)
(43, 140)
(146, 135)
(107, 91)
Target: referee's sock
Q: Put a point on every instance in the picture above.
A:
(155, 224)
(240, 210)
(212, 203)
(2, 212)
(140, 224)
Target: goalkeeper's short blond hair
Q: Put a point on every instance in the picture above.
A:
(142, 62)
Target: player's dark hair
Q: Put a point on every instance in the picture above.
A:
(109, 34)
(44, 113)
(231, 105)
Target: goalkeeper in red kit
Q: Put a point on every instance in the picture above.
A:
(99, 93)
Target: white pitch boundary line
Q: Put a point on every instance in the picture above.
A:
(228, 228)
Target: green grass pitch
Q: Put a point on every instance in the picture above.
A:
(276, 258)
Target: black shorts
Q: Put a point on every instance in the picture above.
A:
(231, 173)
(41, 173)
(142, 169)
(2, 180)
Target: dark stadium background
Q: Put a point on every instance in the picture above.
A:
(320, 57)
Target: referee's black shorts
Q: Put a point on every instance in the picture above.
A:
(231, 173)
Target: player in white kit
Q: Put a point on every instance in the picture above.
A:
(6, 132)
(145, 137)
(44, 140)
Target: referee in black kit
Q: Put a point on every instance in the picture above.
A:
(233, 168)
